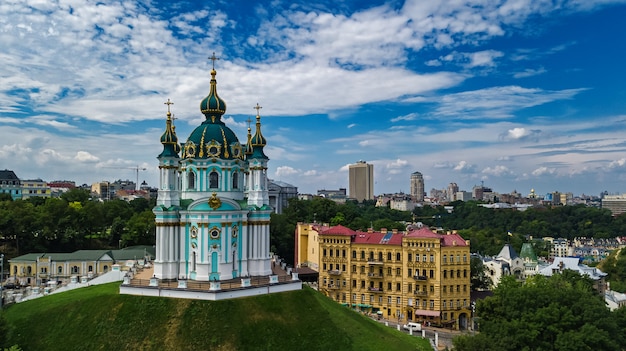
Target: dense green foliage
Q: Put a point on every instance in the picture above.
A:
(98, 318)
(485, 228)
(561, 312)
(615, 266)
(73, 222)
(321, 210)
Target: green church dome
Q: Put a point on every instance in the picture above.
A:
(213, 139)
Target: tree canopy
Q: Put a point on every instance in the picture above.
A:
(73, 222)
(562, 312)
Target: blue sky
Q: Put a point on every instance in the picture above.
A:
(517, 94)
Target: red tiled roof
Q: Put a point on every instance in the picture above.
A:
(377, 238)
(423, 232)
(338, 230)
(446, 239)
(453, 240)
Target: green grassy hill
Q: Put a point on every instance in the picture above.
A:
(98, 318)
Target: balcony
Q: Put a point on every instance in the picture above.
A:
(373, 289)
(375, 275)
(420, 277)
(333, 287)
(420, 293)
(334, 272)
(374, 261)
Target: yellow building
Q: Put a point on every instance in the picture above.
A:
(35, 188)
(418, 276)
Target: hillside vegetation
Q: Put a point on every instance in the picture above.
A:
(98, 318)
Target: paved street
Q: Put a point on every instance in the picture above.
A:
(445, 335)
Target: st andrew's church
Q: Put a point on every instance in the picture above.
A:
(212, 212)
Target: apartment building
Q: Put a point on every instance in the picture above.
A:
(417, 276)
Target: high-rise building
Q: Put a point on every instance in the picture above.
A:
(361, 179)
(417, 186)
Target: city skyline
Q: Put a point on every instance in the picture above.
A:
(518, 96)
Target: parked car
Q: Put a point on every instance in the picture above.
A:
(10, 286)
(412, 326)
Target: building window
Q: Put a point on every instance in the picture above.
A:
(465, 273)
(75, 270)
(398, 272)
(432, 303)
(445, 274)
(191, 180)
(409, 271)
(324, 266)
(410, 257)
(324, 253)
(362, 255)
(389, 271)
(343, 253)
(59, 269)
(464, 258)
(445, 259)
(389, 300)
(353, 254)
(398, 300)
(443, 303)
(388, 256)
(410, 287)
(213, 180)
(354, 283)
(423, 258)
(362, 284)
(444, 289)
(398, 257)
(235, 180)
(362, 297)
(90, 269)
(389, 286)
(398, 287)
(432, 258)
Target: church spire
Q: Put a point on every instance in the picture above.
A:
(171, 148)
(212, 106)
(258, 142)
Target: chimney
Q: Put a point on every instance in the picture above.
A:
(383, 230)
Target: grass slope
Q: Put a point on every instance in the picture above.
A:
(98, 318)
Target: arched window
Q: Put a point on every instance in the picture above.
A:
(191, 181)
(90, 269)
(213, 180)
(60, 269)
(235, 180)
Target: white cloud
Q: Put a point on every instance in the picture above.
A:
(529, 72)
(541, 171)
(497, 171)
(84, 156)
(283, 171)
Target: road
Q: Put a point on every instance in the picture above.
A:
(444, 335)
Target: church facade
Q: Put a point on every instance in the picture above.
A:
(212, 212)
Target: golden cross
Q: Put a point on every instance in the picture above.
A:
(257, 108)
(249, 121)
(213, 58)
(168, 103)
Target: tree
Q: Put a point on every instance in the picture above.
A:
(478, 278)
(561, 312)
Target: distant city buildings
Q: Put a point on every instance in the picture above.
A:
(280, 193)
(417, 186)
(614, 203)
(361, 181)
(338, 195)
(10, 184)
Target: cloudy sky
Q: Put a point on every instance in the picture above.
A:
(517, 94)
